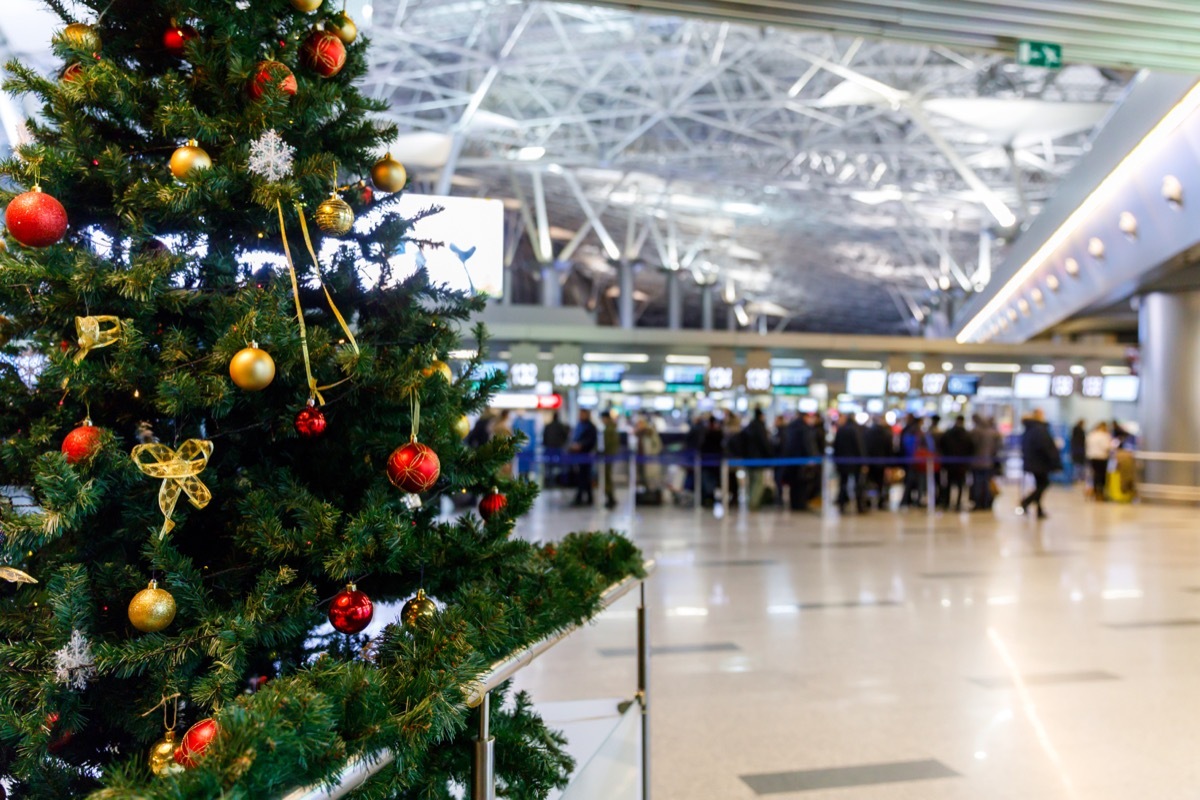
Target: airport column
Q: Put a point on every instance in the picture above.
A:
(706, 306)
(674, 300)
(1169, 407)
(552, 293)
(625, 299)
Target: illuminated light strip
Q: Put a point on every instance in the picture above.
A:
(985, 367)
(612, 358)
(839, 363)
(1149, 143)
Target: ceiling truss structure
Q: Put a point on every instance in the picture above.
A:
(845, 181)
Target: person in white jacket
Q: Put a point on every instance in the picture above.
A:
(1099, 449)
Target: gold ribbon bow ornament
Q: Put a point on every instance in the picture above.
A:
(178, 470)
(92, 336)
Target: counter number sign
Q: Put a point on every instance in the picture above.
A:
(566, 375)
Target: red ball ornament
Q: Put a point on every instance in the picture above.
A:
(35, 219)
(310, 422)
(272, 73)
(365, 193)
(81, 443)
(351, 610)
(324, 53)
(414, 467)
(63, 738)
(492, 504)
(71, 72)
(196, 741)
(176, 37)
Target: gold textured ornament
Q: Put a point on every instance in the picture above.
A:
(418, 611)
(162, 756)
(334, 216)
(462, 426)
(252, 369)
(189, 159)
(343, 27)
(307, 6)
(439, 367)
(83, 37)
(178, 470)
(388, 174)
(152, 609)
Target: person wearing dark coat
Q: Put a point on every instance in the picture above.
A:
(756, 444)
(983, 463)
(555, 438)
(583, 443)
(1041, 458)
(799, 442)
(849, 450)
(957, 451)
(712, 447)
(881, 448)
(913, 441)
(1078, 451)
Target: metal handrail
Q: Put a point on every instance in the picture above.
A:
(361, 768)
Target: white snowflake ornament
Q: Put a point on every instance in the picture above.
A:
(271, 156)
(73, 664)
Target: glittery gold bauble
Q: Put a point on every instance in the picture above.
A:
(252, 369)
(388, 174)
(419, 610)
(462, 426)
(152, 609)
(439, 367)
(343, 27)
(83, 37)
(162, 756)
(334, 216)
(307, 6)
(189, 159)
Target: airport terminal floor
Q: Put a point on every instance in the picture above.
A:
(902, 655)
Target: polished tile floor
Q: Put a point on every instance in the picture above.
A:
(899, 655)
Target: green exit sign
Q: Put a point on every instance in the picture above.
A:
(1039, 54)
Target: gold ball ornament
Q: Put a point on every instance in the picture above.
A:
(334, 216)
(162, 756)
(343, 27)
(439, 367)
(462, 426)
(189, 159)
(82, 37)
(388, 174)
(306, 6)
(252, 369)
(418, 611)
(152, 609)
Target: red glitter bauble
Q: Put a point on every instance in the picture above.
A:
(176, 38)
(196, 741)
(35, 219)
(271, 73)
(310, 422)
(81, 443)
(323, 53)
(492, 504)
(414, 468)
(351, 610)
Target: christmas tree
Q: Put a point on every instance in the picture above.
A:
(243, 427)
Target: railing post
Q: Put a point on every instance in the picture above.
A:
(697, 481)
(930, 488)
(644, 689)
(725, 482)
(827, 499)
(633, 481)
(483, 775)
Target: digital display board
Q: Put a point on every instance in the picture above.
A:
(967, 385)
(791, 380)
(602, 376)
(1121, 388)
(1031, 386)
(866, 382)
(684, 378)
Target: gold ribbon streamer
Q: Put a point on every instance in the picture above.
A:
(92, 336)
(314, 390)
(178, 470)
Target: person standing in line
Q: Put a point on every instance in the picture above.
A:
(734, 444)
(711, 450)
(912, 440)
(1099, 447)
(555, 438)
(756, 444)
(795, 446)
(778, 434)
(848, 453)
(983, 462)
(650, 447)
(583, 444)
(879, 441)
(1041, 458)
(934, 435)
(1078, 451)
(612, 447)
(957, 452)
